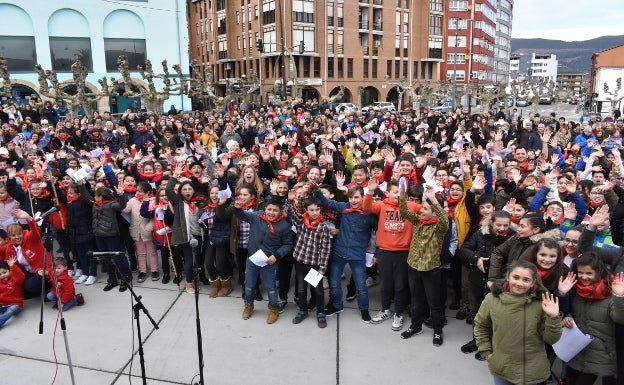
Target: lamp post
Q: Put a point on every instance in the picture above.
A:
(454, 89)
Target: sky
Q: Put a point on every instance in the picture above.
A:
(568, 20)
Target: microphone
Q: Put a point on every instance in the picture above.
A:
(193, 242)
(47, 213)
(96, 254)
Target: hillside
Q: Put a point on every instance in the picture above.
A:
(572, 55)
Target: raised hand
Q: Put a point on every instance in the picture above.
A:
(570, 186)
(617, 285)
(569, 212)
(430, 194)
(550, 306)
(566, 283)
(511, 204)
(372, 185)
(600, 216)
(340, 178)
(478, 183)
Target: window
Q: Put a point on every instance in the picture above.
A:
(415, 70)
(66, 50)
(349, 68)
(330, 42)
(458, 5)
(459, 58)
(268, 12)
(330, 14)
(365, 69)
(435, 25)
(339, 15)
(435, 5)
(317, 67)
(340, 67)
(389, 67)
(134, 49)
(330, 67)
(374, 69)
(303, 11)
(220, 5)
(20, 53)
(405, 65)
(457, 23)
(460, 75)
(306, 66)
(397, 69)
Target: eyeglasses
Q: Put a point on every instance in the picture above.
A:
(571, 241)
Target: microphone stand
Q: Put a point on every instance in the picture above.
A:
(138, 306)
(200, 352)
(48, 246)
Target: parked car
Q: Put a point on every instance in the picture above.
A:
(510, 102)
(382, 106)
(522, 102)
(347, 106)
(445, 106)
(573, 101)
(546, 100)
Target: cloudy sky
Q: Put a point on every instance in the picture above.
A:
(568, 20)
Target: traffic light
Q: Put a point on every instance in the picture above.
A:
(301, 47)
(289, 90)
(260, 45)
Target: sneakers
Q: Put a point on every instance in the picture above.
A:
(366, 318)
(110, 285)
(77, 273)
(123, 287)
(79, 299)
(381, 317)
(91, 280)
(371, 282)
(301, 315)
(437, 339)
(142, 276)
(411, 331)
(397, 322)
(479, 357)
(81, 279)
(330, 310)
(281, 306)
(155, 276)
(351, 293)
(273, 315)
(71, 273)
(469, 347)
(166, 278)
(321, 320)
(462, 313)
(190, 288)
(249, 307)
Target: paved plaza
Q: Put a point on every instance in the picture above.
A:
(347, 352)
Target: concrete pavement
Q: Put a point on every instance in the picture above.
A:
(347, 352)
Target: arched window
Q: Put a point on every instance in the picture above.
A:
(124, 34)
(17, 45)
(69, 40)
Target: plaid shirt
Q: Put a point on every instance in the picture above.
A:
(313, 246)
(243, 233)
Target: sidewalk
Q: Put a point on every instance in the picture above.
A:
(347, 352)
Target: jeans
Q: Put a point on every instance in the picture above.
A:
(32, 283)
(188, 253)
(105, 244)
(217, 261)
(501, 381)
(358, 269)
(164, 259)
(301, 270)
(52, 297)
(63, 241)
(425, 287)
(7, 312)
(392, 266)
(269, 272)
(88, 265)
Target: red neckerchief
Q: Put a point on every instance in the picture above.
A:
(5, 199)
(63, 187)
(311, 225)
(151, 177)
(394, 205)
(532, 290)
(353, 210)
(44, 194)
(451, 201)
(73, 198)
(327, 213)
(210, 206)
(192, 204)
(515, 219)
(362, 185)
(595, 205)
(130, 189)
(250, 204)
(235, 154)
(596, 290)
(270, 222)
(542, 272)
(432, 221)
(101, 203)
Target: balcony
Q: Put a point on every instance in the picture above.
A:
(364, 25)
(365, 50)
(378, 27)
(363, 3)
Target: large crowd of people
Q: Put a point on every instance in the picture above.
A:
(517, 217)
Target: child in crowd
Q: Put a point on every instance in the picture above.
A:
(11, 281)
(63, 289)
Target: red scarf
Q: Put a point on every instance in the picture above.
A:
(270, 222)
(595, 205)
(250, 204)
(353, 210)
(210, 206)
(130, 189)
(156, 176)
(327, 213)
(542, 272)
(192, 204)
(515, 219)
(5, 199)
(73, 198)
(596, 290)
(451, 201)
(311, 225)
(101, 203)
(44, 193)
(432, 221)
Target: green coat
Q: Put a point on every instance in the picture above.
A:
(514, 329)
(597, 318)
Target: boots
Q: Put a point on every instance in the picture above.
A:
(215, 288)
(226, 287)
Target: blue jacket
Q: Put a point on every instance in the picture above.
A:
(355, 230)
(278, 243)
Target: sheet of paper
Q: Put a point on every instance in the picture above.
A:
(259, 258)
(281, 140)
(571, 343)
(97, 152)
(160, 213)
(310, 147)
(369, 259)
(224, 194)
(313, 277)
(77, 175)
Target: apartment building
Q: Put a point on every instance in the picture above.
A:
(572, 83)
(502, 47)
(366, 46)
(543, 65)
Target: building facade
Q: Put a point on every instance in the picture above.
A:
(502, 47)
(366, 46)
(607, 76)
(55, 34)
(572, 83)
(470, 39)
(543, 65)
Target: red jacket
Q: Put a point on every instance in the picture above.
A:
(32, 248)
(11, 289)
(65, 289)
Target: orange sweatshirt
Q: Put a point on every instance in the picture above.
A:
(394, 233)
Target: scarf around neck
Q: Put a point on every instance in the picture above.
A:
(596, 290)
(312, 225)
(270, 222)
